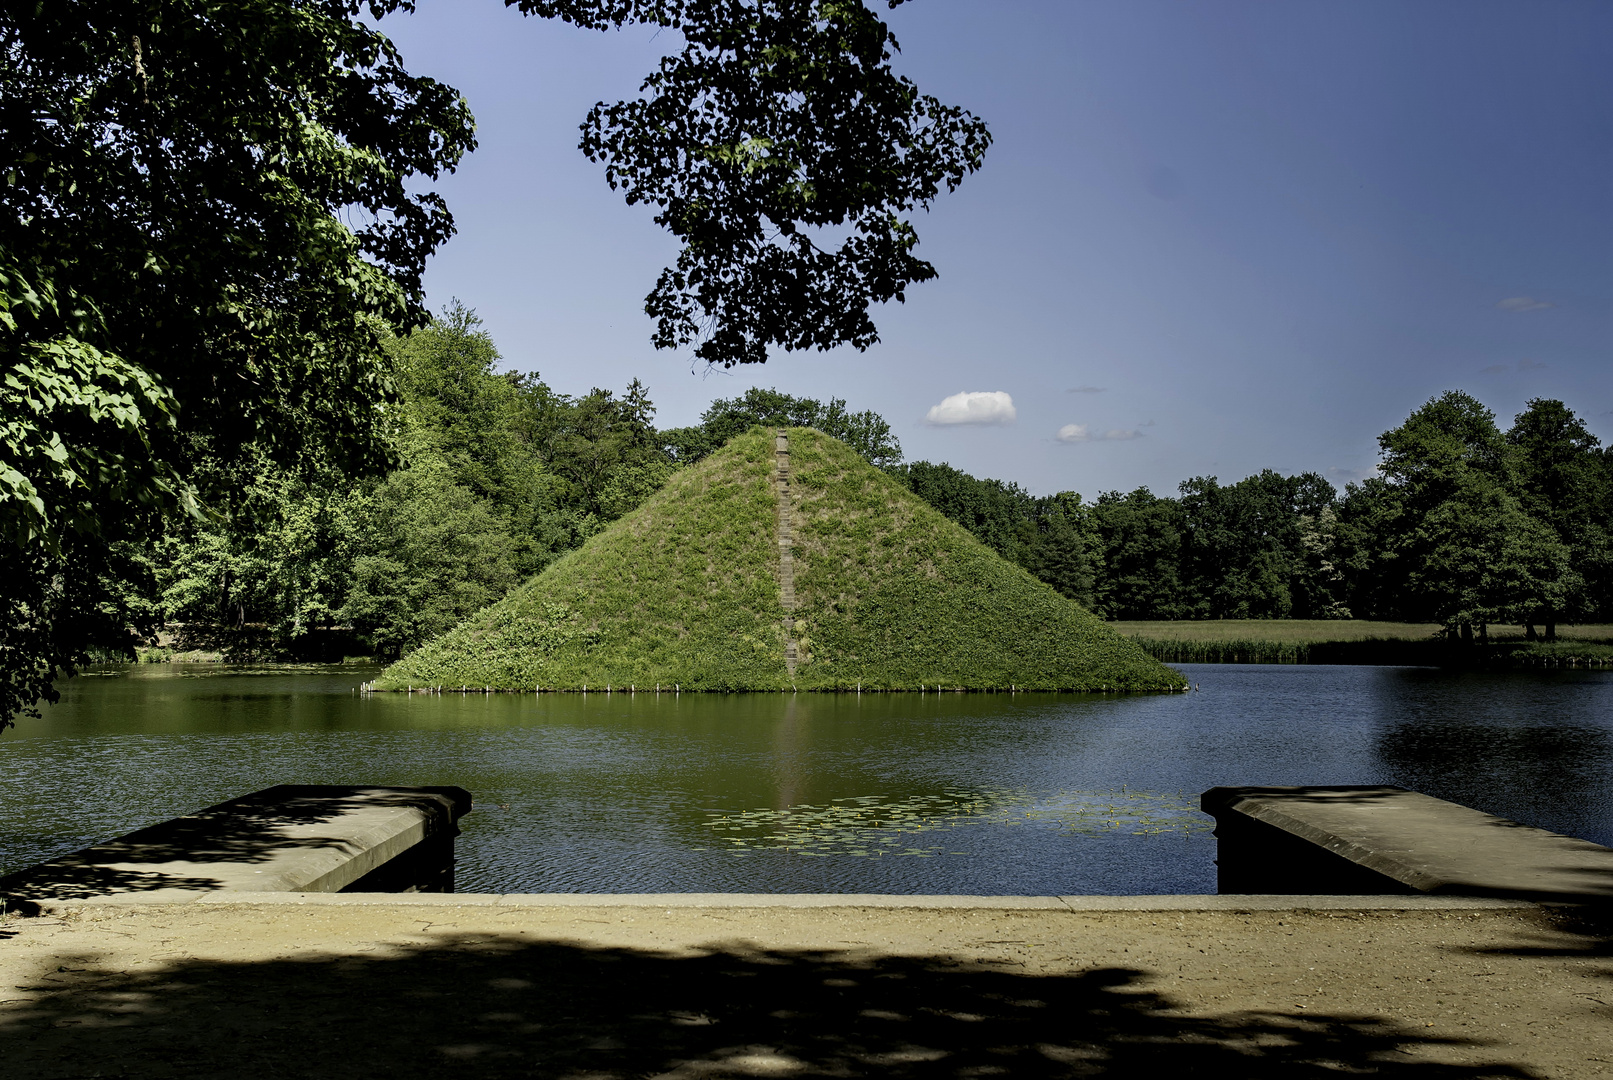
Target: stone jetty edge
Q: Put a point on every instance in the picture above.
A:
(755, 901)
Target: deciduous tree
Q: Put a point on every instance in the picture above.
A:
(1563, 481)
(865, 432)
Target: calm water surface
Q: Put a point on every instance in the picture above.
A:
(1032, 794)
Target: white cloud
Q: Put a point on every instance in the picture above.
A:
(974, 407)
(1083, 433)
(1087, 389)
(1523, 303)
(1494, 369)
(1530, 365)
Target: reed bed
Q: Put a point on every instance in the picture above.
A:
(1180, 651)
(1287, 644)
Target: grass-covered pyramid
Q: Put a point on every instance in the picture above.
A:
(685, 590)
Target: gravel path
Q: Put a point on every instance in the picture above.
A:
(586, 993)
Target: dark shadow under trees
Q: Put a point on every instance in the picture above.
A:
(485, 1005)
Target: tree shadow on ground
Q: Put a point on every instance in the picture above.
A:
(1583, 932)
(500, 1006)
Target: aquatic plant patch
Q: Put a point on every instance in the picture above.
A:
(875, 826)
(1564, 654)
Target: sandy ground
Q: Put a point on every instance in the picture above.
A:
(393, 990)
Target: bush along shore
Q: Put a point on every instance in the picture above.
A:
(690, 592)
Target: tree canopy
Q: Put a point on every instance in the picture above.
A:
(209, 225)
(1467, 525)
(779, 127)
(865, 432)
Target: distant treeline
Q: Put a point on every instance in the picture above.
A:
(1464, 525)
(497, 475)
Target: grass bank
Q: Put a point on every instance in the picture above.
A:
(1361, 641)
(685, 590)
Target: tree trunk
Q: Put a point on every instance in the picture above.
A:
(1467, 633)
(1529, 632)
(1551, 628)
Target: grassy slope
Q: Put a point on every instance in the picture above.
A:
(685, 590)
(894, 595)
(682, 590)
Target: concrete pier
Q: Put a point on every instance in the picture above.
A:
(1385, 840)
(291, 838)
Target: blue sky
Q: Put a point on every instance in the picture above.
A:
(1210, 238)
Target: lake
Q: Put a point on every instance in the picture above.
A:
(899, 793)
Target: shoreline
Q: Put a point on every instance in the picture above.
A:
(1074, 903)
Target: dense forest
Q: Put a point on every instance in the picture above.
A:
(497, 475)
